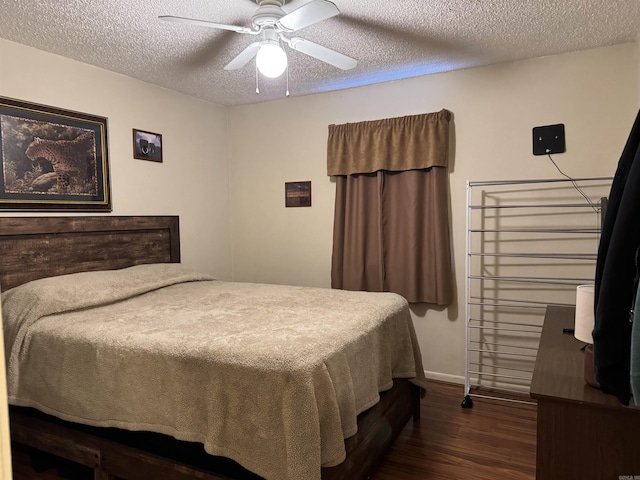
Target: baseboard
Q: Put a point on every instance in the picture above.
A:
(444, 377)
(459, 380)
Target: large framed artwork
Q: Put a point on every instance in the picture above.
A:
(52, 159)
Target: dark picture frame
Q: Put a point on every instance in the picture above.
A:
(147, 146)
(297, 194)
(52, 159)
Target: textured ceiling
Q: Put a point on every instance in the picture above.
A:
(390, 39)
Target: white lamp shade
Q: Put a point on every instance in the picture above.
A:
(585, 319)
(271, 60)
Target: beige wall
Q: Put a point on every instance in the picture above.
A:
(255, 149)
(594, 93)
(193, 179)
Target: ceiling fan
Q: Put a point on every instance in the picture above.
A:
(273, 27)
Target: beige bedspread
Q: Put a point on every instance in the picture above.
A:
(270, 376)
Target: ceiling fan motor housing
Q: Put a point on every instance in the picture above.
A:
(268, 13)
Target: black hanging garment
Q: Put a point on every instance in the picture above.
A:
(615, 273)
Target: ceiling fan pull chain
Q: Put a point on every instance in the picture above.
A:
(287, 93)
(257, 84)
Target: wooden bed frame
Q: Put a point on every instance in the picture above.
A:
(37, 247)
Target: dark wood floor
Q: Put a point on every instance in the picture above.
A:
(492, 440)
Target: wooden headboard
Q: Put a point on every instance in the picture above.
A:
(37, 247)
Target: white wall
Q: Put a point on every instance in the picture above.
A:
(594, 93)
(192, 181)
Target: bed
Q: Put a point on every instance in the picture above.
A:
(316, 388)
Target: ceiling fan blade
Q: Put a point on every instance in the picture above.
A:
(243, 58)
(323, 53)
(313, 12)
(204, 23)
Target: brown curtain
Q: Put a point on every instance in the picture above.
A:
(391, 227)
(395, 144)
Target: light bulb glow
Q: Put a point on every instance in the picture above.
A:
(271, 60)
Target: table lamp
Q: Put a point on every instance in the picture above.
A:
(584, 324)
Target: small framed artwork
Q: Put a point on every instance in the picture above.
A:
(52, 159)
(297, 194)
(147, 146)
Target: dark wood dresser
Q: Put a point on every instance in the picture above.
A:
(582, 433)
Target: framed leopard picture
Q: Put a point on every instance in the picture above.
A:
(52, 159)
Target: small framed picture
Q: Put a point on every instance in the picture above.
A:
(147, 146)
(297, 194)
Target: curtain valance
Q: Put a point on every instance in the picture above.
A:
(415, 142)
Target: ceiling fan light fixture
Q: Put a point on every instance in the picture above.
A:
(271, 59)
(273, 25)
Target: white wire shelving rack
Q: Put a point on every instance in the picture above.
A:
(529, 244)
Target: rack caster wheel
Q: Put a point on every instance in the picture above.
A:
(467, 402)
